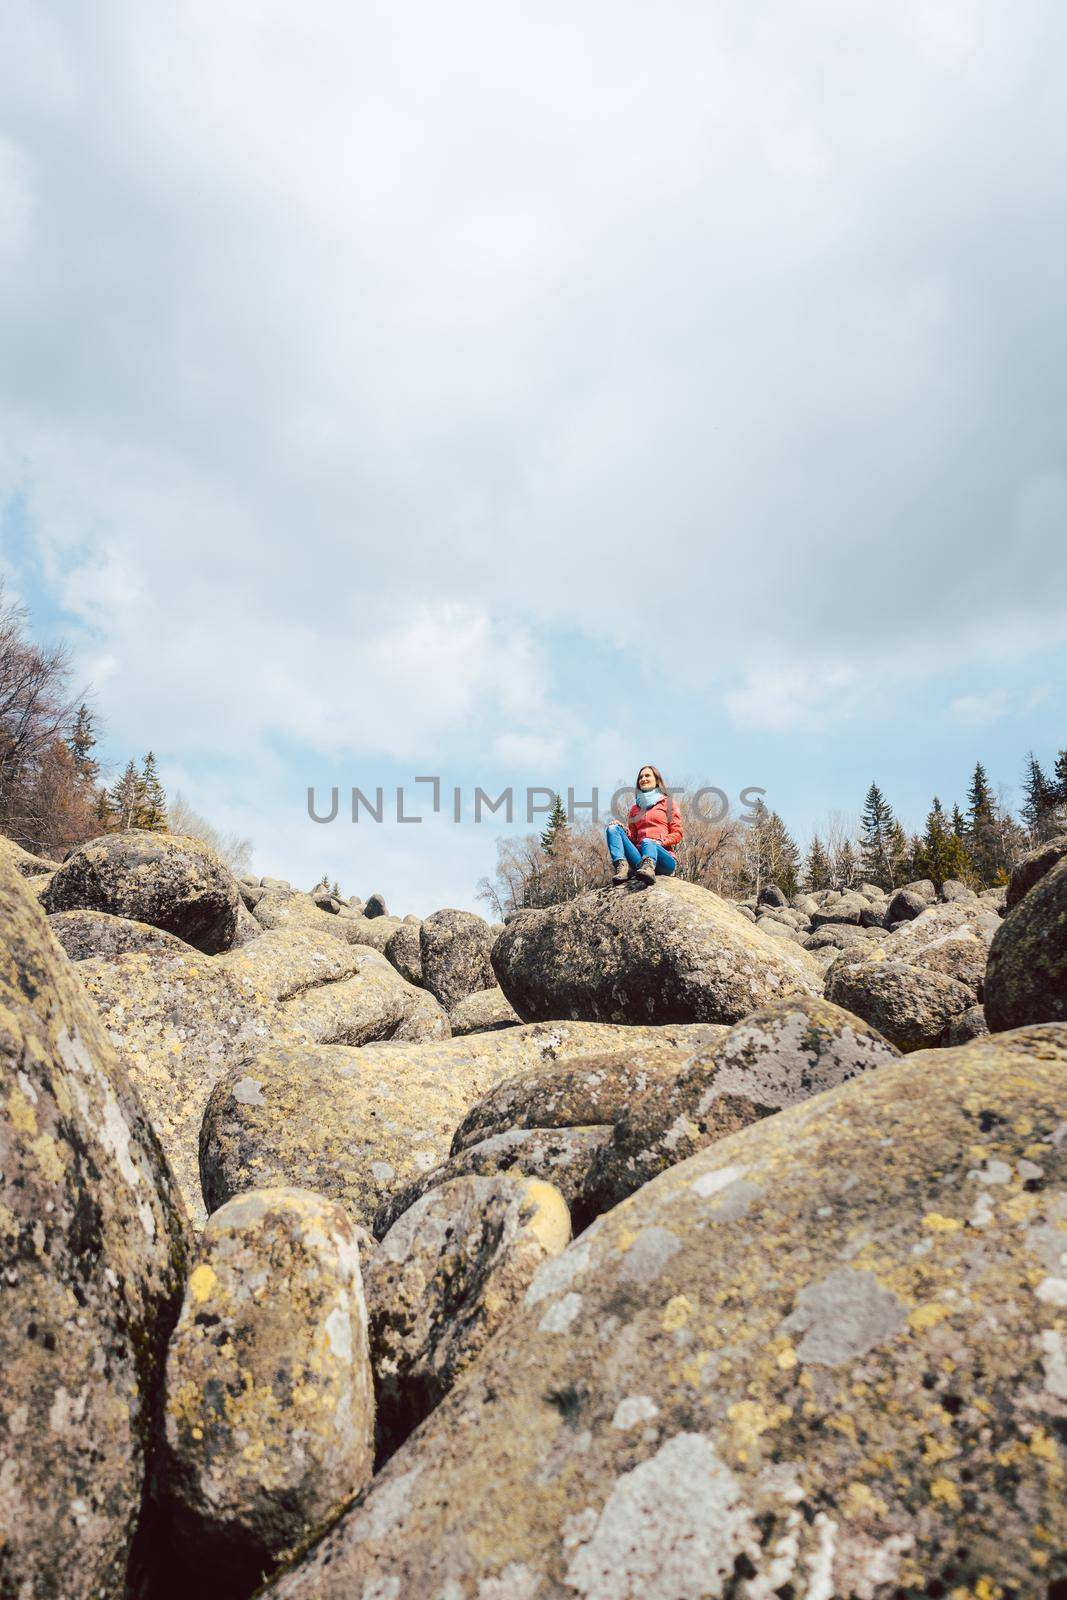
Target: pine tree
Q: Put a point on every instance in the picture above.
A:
(900, 854)
(941, 853)
(81, 743)
(1039, 805)
(126, 798)
(877, 826)
(1059, 779)
(153, 810)
(979, 800)
(557, 827)
(102, 809)
(335, 889)
(845, 867)
(959, 825)
(817, 871)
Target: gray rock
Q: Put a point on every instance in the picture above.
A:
(847, 909)
(1026, 979)
(445, 1278)
(906, 904)
(561, 1156)
(671, 953)
(771, 895)
(842, 1294)
(270, 1403)
(952, 891)
(454, 948)
(483, 1011)
(402, 950)
(1033, 866)
(778, 1056)
(910, 1005)
(84, 934)
(970, 1024)
(94, 1250)
(375, 906)
(163, 879)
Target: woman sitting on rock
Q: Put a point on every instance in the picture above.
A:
(655, 828)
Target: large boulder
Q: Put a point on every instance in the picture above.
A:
(454, 948)
(672, 953)
(359, 1125)
(270, 1404)
(909, 1004)
(1026, 980)
(777, 1057)
(444, 1279)
(580, 1092)
(824, 1357)
(290, 908)
(375, 906)
(1033, 866)
(374, 1003)
(403, 950)
(92, 1259)
(164, 879)
(483, 1011)
(84, 934)
(562, 1157)
(179, 1020)
(24, 862)
(288, 960)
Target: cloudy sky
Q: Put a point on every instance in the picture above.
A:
(518, 393)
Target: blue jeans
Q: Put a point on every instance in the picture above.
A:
(620, 844)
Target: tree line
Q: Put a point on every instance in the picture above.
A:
(53, 795)
(976, 843)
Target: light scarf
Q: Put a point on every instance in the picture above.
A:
(648, 797)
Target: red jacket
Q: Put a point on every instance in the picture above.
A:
(653, 823)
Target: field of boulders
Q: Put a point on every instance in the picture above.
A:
(650, 1246)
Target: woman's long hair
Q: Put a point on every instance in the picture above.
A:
(661, 784)
(660, 781)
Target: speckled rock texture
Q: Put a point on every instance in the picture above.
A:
(282, 907)
(573, 1093)
(671, 953)
(374, 1003)
(454, 950)
(483, 1011)
(560, 1156)
(1026, 980)
(375, 906)
(777, 1057)
(1033, 866)
(85, 934)
(825, 1357)
(359, 1125)
(164, 879)
(402, 949)
(24, 862)
(332, 993)
(909, 1004)
(446, 1276)
(269, 1398)
(179, 1020)
(93, 1245)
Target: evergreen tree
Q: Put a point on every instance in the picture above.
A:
(818, 873)
(980, 805)
(900, 854)
(153, 809)
(959, 825)
(335, 889)
(102, 810)
(126, 798)
(877, 833)
(941, 853)
(845, 867)
(557, 827)
(1059, 779)
(1040, 802)
(80, 744)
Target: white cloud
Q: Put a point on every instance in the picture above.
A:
(784, 699)
(339, 364)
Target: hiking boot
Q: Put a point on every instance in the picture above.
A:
(645, 874)
(622, 871)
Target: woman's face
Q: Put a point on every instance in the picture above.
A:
(646, 778)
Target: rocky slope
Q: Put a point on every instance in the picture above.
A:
(651, 1246)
